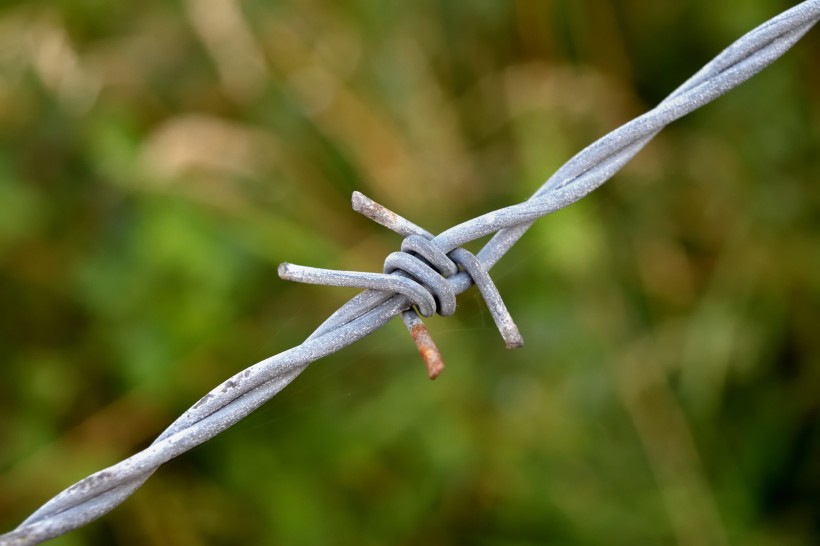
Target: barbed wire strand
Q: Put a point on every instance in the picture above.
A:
(235, 398)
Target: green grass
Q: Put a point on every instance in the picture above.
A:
(157, 162)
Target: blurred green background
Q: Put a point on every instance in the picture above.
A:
(159, 159)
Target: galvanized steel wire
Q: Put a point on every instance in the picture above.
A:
(394, 294)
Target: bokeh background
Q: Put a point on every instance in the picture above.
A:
(158, 160)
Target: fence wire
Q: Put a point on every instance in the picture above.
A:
(235, 398)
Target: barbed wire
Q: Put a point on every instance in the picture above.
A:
(427, 274)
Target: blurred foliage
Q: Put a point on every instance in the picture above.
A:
(158, 160)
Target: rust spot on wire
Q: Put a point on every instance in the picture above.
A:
(427, 348)
(385, 217)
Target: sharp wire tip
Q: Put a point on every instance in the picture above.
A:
(424, 342)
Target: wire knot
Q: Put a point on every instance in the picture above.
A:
(422, 272)
(428, 265)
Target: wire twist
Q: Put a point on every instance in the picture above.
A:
(421, 272)
(238, 396)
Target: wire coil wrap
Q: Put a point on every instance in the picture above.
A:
(420, 271)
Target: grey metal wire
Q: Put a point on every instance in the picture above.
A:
(420, 272)
(234, 399)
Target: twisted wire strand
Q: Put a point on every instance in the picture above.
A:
(238, 396)
(424, 261)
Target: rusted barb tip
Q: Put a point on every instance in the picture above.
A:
(428, 350)
(514, 343)
(434, 371)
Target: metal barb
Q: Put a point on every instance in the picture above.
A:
(424, 341)
(398, 284)
(385, 217)
(421, 271)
